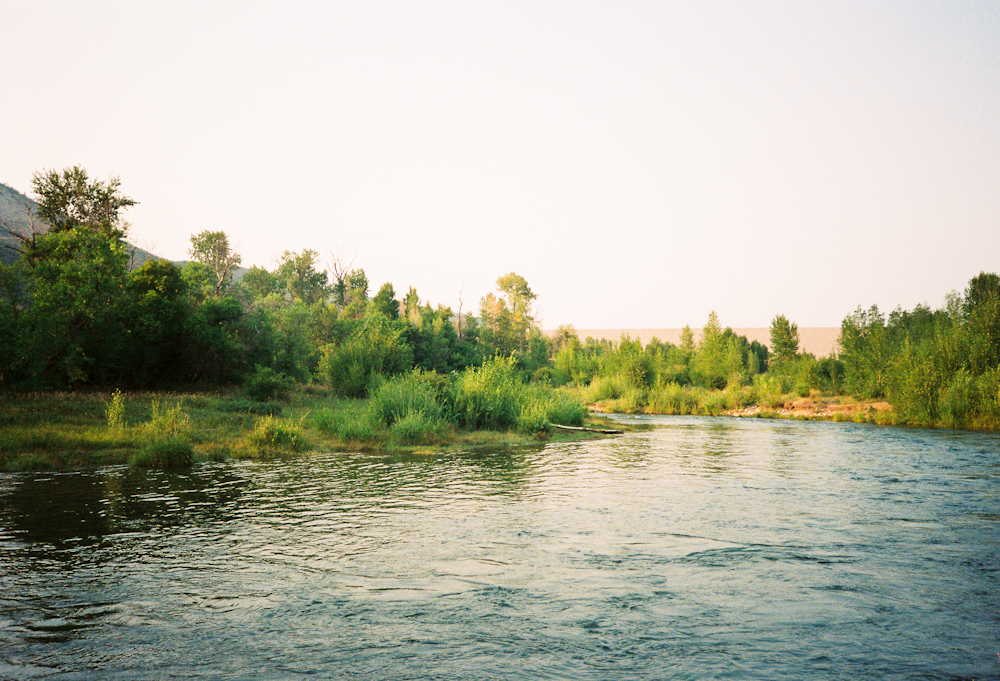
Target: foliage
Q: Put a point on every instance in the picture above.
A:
(267, 384)
(269, 434)
(169, 453)
(417, 392)
(784, 340)
(505, 319)
(377, 349)
(116, 412)
(301, 280)
(69, 200)
(212, 249)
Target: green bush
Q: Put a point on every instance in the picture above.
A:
(566, 411)
(534, 417)
(267, 384)
(489, 397)
(326, 421)
(116, 412)
(170, 453)
(356, 428)
(166, 422)
(415, 428)
(270, 434)
(413, 393)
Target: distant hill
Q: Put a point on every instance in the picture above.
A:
(820, 341)
(16, 213)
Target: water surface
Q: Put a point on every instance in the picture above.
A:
(703, 548)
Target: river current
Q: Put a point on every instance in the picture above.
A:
(700, 549)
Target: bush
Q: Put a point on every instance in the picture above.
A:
(533, 418)
(267, 384)
(415, 428)
(116, 412)
(171, 453)
(166, 422)
(489, 397)
(356, 428)
(396, 398)
(269, 434)
(566, 411)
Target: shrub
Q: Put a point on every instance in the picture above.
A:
(533, 418)
(170, 453)
(326, 421)
(356, 428)
(566, 411)
(270, 434)
(166, 422)
(396, 398)
(488, 397)
(267, 384)
(414, 428)
(116, 412)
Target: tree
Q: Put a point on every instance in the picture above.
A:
(212, 250)
(385, 301)
(298, 273)
(983, 287)
(71, 200)
(784, 340)
(506, 319)
(259, 282)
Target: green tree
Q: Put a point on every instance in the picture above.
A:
(298, 273)
(212, 249)
(507, 318)
(260, 283)
(983, 287)
(784, 340)
(70, 199)
(385, 302)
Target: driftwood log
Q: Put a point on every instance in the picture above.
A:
(606, 431)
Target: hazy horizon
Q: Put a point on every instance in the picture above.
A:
(640, 164)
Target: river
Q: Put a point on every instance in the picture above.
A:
(699, 549)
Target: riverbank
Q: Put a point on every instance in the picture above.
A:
(80, 430)
(700, 402)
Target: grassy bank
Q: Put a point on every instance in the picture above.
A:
(64, 431)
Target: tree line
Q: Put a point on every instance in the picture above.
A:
(74, 313)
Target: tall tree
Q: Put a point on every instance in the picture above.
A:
(212, 250)
(507, 318)
(298, 273)
(70, 199)
(385, 301)
(784, 340)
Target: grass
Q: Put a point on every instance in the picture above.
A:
(68, 431)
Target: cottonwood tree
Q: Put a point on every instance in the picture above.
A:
(70, 199)
(506, 318)
(784, 340)
(212, 249)
(298, 273)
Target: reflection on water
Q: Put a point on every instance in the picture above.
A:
(703, 548)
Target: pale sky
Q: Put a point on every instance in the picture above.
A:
(639, 163)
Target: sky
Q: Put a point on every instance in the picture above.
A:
(640, 164)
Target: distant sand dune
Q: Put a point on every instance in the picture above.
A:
(819, 340)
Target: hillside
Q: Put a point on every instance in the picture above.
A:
(16, 213)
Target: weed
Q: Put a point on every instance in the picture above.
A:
(116, 412)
